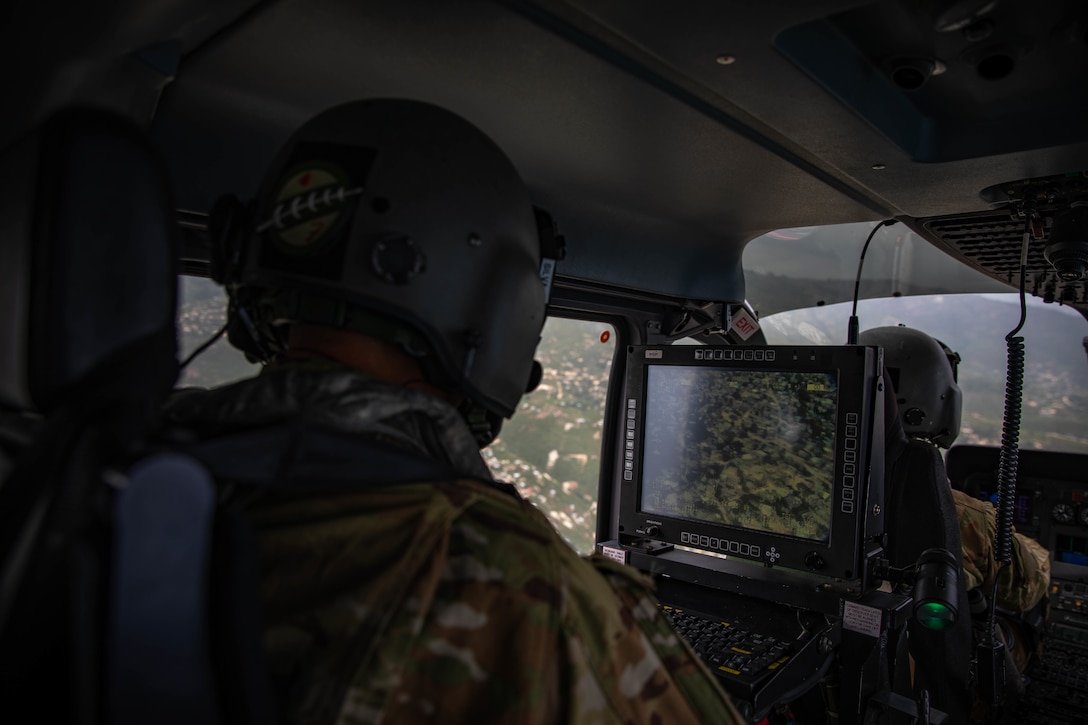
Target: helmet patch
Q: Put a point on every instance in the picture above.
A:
(309, 204)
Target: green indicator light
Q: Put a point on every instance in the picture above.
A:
(935, 615)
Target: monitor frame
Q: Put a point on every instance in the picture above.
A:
(856, 505)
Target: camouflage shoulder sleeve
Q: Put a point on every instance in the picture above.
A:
(1024, 582)
(615, 658)
(1027, 579)
(430, 602)
(643, 666)
(977, 539)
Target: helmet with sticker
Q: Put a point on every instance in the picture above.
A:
(403, 221)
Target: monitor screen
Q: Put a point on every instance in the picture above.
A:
(753, 449)
(759, 453)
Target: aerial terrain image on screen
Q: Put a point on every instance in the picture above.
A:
(745, 448)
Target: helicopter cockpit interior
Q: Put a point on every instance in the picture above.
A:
(705, 168)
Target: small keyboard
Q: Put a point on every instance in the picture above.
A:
(742, 659)
(1057, 689)
(1062, 665)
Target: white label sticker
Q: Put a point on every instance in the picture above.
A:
(744, 324)
(655, 354)
(547, 276)
(860, 618)
(615, 554)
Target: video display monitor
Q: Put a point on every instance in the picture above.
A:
(758, 453)
(769, 466)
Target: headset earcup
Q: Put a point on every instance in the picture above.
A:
(536, 374)
(229, 224)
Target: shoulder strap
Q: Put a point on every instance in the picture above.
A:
(159, 654)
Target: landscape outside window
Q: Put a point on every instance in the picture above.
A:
(202, 308)
(975, 325)
(550, 449)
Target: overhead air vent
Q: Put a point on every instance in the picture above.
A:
(992, 242)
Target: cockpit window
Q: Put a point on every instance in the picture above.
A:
(975, 325)
(551, 448)
(790, 269)
(202, 310)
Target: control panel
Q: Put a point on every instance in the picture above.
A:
(1051, 506)
(1054, 513)
(1057, 691)
(1068, 620)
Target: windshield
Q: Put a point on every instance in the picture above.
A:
(975, 326)
(792, 269)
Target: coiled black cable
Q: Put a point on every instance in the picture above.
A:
(1009, 455)
(1008, 463)
(1010, 424)
(990, 647)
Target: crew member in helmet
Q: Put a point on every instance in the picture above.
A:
(389, 279)
(924, 375)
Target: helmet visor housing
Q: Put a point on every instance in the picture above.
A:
(403, 212)
(922, 373)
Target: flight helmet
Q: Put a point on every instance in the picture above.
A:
(924, 374)
(403, 221)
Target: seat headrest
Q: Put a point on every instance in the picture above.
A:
(87, 261)
(895, 438)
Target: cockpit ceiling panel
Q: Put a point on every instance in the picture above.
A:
(946, 83)
(655, 185)
(662, 136)
(1004, 99)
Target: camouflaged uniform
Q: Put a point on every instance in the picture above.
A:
(1024, 581)
(448, 601)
